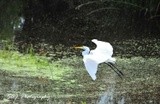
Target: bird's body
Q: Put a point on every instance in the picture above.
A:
(101, 54)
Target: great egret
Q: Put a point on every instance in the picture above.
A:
(101, 54)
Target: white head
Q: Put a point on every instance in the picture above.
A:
(85, 48)
(94, 40)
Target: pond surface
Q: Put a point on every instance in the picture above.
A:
(108, 89)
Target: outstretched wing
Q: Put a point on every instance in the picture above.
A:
(102, 53)
(91, 65)
(104, 48)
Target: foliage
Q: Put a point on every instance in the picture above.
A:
(78, 21)
(124, 48)
(119, 19)
(10, 12)
(134, 47)
(49, 32)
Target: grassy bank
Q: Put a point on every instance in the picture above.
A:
(30, 65)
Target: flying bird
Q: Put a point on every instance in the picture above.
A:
(101, 54)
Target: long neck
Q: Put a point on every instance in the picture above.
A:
(86, 51)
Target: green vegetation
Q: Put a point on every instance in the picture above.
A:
(33, 65)
(67, 77)
(30, 65)
(48, 66)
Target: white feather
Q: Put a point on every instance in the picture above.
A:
(102, 53)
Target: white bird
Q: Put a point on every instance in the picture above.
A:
(101, 54)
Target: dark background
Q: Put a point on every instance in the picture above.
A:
(76, 22)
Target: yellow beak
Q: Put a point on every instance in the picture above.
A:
(79, 47)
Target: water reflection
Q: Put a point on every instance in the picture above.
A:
(14, 86)
(108, 96)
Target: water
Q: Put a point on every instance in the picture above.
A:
(109, 95)
(23, 90)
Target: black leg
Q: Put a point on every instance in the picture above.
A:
(112, 67)
(116, 68)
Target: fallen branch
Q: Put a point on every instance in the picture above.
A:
(101, 9)
(88, 3)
